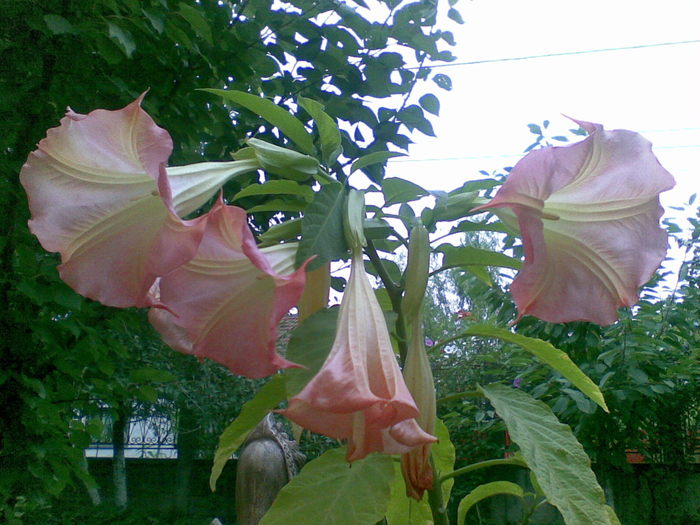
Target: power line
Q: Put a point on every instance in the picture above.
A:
(505, 156)
(563, 53)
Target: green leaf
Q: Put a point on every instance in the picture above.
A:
(147, 393)
(146, 375)
(374, 158)
(443, 81)
(398, 190)
(123, 38)
(284, 231)
(481, 273)
(274, 114)
(430, 103)
(292, 204)
(552, 452)
(453, 14)
(322, 228)
(329, 491)
(197, 21)
(550, 355)
(276, 187)
(535, 129)
(58, 25)
(328, 131)
(486, 491)
(471, 256)
(309, 346)
(376, 228)
(267, 398)
(444, 456)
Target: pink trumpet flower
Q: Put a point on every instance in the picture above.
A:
(99, 195)
(589, 217)
(359, 393)
(226, 302)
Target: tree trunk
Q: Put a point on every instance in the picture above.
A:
(186, 452)
(119, 428)
(93, 490)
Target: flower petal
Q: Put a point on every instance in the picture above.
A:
(99, 195)
(589, 218)
(359, 393)
(228, 300)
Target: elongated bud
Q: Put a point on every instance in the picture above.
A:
(353, 220)
(416, 272)
(415, 465)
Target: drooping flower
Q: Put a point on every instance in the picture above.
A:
(359, 393)
(100, 195)
(589, 217)
(415, 464)
(226, 302)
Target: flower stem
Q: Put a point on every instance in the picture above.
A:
(395, 293)
(482, 464)
(437, 504)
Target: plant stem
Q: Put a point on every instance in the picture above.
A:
(480, 465)
(437, 505)
(395, 292)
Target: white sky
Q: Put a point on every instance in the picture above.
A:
(483, 120)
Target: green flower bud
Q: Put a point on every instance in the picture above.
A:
(416, 272)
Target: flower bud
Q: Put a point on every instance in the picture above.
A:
(416, 272)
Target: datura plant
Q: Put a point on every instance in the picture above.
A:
(132, 231)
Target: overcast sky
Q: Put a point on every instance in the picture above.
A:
(653, 90)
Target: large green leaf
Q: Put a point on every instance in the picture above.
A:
(267, 398)
(274, 114)
(443, 457)
(552, 452)
(309, 346)
(398, 190)
(329, 491)
(486, 491)
(328, 132)
(403, 510)
(322, 228)
(456, 256)
(550, 355)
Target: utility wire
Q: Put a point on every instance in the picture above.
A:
(508, 155)
(548, 55)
